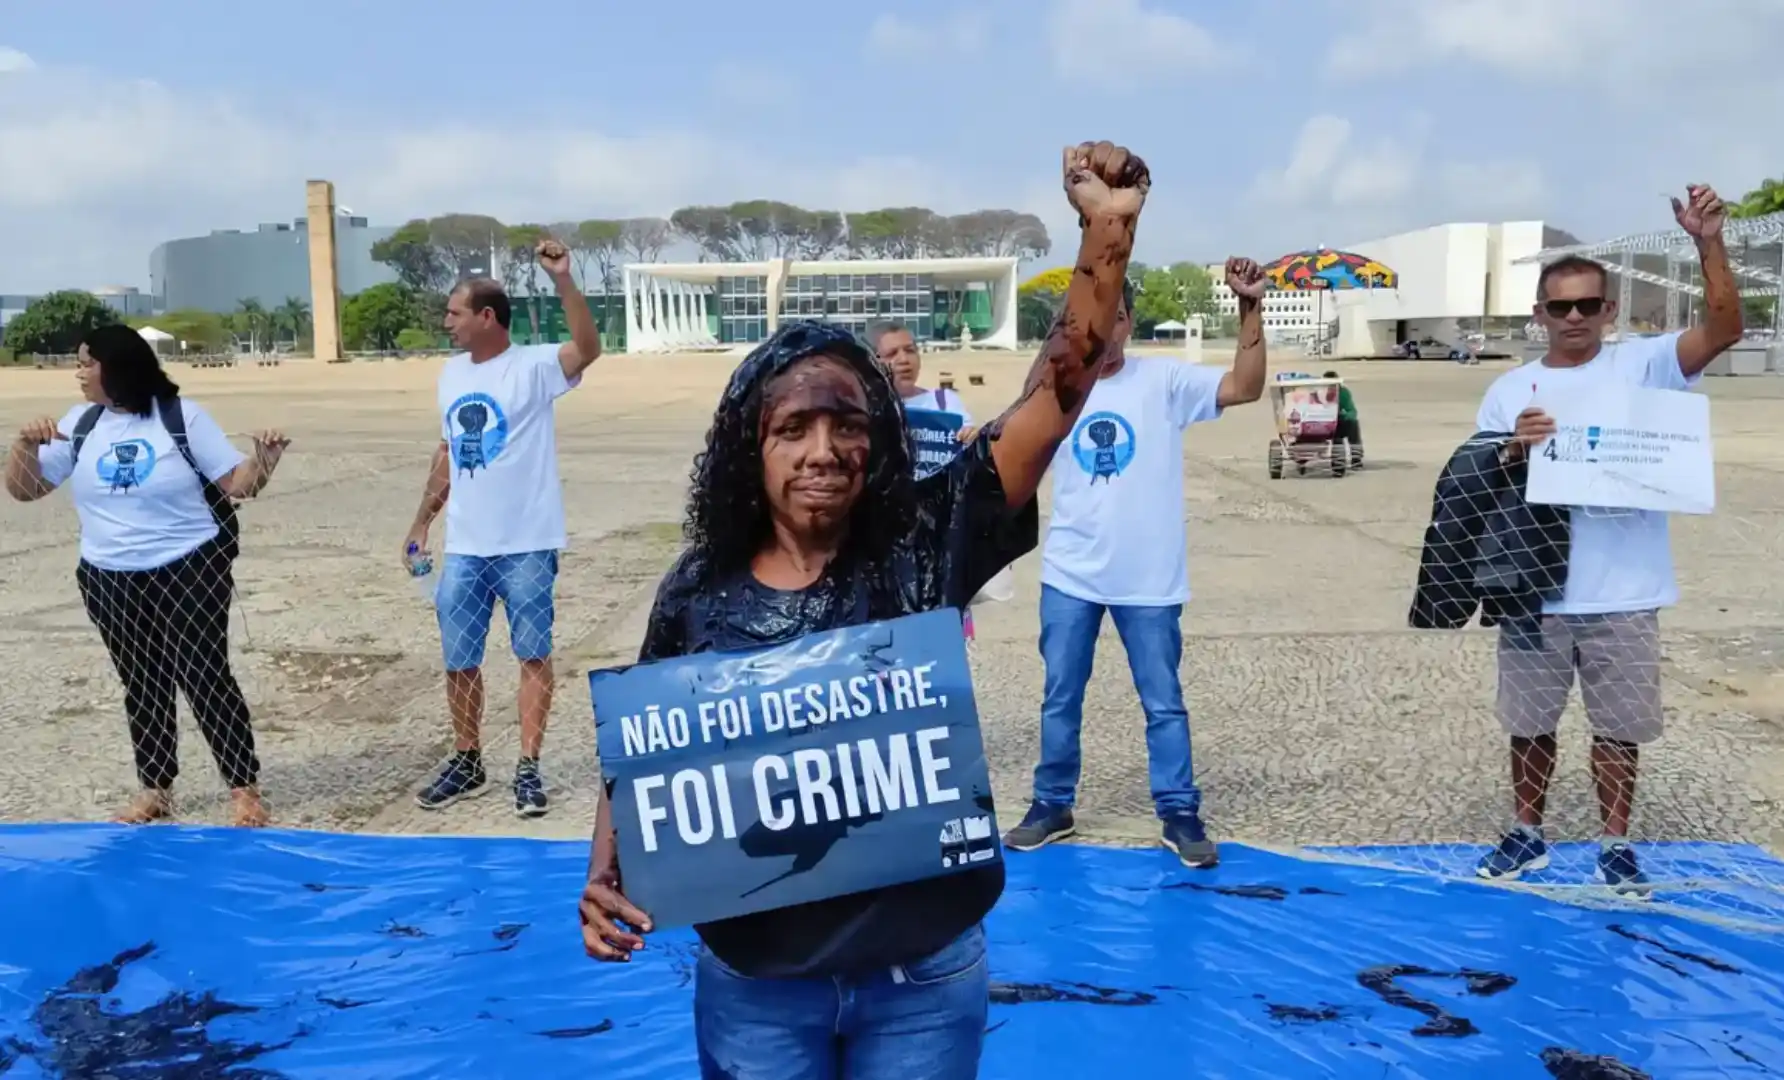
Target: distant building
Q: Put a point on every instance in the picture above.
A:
(679, 306)
(270, 264)
(1450, 275)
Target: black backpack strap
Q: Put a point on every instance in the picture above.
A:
(84, 427)
(173, 419)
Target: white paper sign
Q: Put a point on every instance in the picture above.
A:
(1627, 448)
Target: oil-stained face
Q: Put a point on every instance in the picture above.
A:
(815, 444)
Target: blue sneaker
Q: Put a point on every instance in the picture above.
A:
(1618, 869)
(1042, 825)
(1521, 850)
(1184, 834)
(461, 777)
(529, 790)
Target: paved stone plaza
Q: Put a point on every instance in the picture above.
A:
(1318, 716)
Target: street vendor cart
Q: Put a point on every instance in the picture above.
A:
(1307, 427)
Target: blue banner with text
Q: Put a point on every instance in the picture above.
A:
(840, 762)
(935, 438)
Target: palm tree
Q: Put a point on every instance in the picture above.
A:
(293, 316)
(251, 317)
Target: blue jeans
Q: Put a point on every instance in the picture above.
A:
(1154, 642)
(466, 599)
(922, 1021)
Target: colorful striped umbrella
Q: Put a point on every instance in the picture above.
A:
(1326, 269)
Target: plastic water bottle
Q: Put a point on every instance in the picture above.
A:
(421, 572)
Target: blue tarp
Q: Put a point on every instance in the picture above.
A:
(173, 952)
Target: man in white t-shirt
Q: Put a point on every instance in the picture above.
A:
(1606, 625)
(1117, 542)
(495, 473)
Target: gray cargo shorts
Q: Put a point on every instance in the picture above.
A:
(1617, 656)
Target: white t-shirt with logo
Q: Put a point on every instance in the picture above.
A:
(1117, 534)
(140, 505)
(500, 428)
(1618, 560)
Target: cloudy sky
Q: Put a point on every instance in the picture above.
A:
(1269, 124)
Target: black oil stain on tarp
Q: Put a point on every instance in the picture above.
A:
(1301, 1014)
(1381, 981)
(1066, 993)
(401, 930)
(1710, 962)
(507, 937)
(601, 1028)
(1565, 1064)
(81, 1038)
(1246, 892)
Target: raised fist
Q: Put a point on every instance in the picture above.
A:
(1246, 278)
(553, 256)
(1701, 213)
(40, 432)
(1102, 179)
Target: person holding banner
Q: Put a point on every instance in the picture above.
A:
(939, 423)
(805, 516)
(1605, 627)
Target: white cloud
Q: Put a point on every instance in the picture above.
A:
(99, 171)
(1121, 45)
(965, 32)
(13, 60)
(1337, 187)
(1627, 44)
(1671, 93)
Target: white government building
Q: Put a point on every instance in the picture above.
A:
(683, 307)
(1447, 273)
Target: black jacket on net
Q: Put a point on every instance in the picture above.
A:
(1487, 549)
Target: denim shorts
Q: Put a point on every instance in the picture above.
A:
(466, 599)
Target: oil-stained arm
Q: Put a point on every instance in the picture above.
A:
(1108, 186)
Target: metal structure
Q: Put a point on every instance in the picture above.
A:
(1679, 249)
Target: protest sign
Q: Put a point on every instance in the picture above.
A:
(935, 438)
(840, 762)
(1628, 448)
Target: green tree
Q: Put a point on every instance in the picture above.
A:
(293, 317)
(600, 242)
(467, 244)
(55, 323)
(415, 258)
(520, 265)
(1767, 198)
(415, 339)
(1035, 312)
(255, 323)
(374, 318)
(1174, 293)
(645, 238)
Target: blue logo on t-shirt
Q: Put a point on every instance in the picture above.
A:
(1103, 443)
(1592, 438)
(479, 432)
(126, 465)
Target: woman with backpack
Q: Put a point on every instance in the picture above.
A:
(154, 481)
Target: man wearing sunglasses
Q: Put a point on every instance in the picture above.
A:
(1606, 625)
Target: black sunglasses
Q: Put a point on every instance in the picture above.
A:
(1587, 306)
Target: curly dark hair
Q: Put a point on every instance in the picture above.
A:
(728, 517)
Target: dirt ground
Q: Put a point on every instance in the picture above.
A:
(1318, 716)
